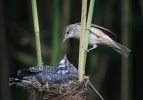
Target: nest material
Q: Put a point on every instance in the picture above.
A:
(71, 91)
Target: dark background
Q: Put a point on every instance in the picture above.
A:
(115, 77)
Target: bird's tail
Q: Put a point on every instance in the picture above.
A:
(123, 50)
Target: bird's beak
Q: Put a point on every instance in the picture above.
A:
(64, 39)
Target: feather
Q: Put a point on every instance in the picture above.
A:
(106, 31)
(123, 50)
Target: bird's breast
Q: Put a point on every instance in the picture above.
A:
(93, 39)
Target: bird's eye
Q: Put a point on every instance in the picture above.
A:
(67, 32)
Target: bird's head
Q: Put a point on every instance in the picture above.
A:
(70, 32)
(64, 66)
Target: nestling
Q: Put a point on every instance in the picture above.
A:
(98, 35)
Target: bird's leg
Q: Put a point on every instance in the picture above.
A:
(94, 46)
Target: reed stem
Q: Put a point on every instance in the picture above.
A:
(82, 38)
(36, 30)
(89, 20)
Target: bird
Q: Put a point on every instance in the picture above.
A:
(98, 36)
(63, 74)
(65, 67)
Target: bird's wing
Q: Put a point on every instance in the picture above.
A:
(35, 70)
(106, 31)
(24, 72)
(29, 71)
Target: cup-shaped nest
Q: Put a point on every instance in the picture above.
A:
(74, 90)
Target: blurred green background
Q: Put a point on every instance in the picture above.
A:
(115, 77)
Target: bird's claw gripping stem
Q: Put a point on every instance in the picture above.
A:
(94, 46)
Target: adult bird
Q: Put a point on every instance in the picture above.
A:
(98, 36)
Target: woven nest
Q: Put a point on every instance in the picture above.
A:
(71, 91)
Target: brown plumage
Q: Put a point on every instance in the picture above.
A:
(98, 35)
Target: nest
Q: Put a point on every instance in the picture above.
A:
(53, 83)
(71, 91)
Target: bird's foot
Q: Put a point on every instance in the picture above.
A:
(87, 51)
(94, 46)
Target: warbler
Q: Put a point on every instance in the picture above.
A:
(98, 36)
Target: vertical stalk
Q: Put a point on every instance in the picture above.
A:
(89, 20)
(56, 35)
(82, 38)
(36, 29)
(4, 57)
(125, 61)
(130, 42)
